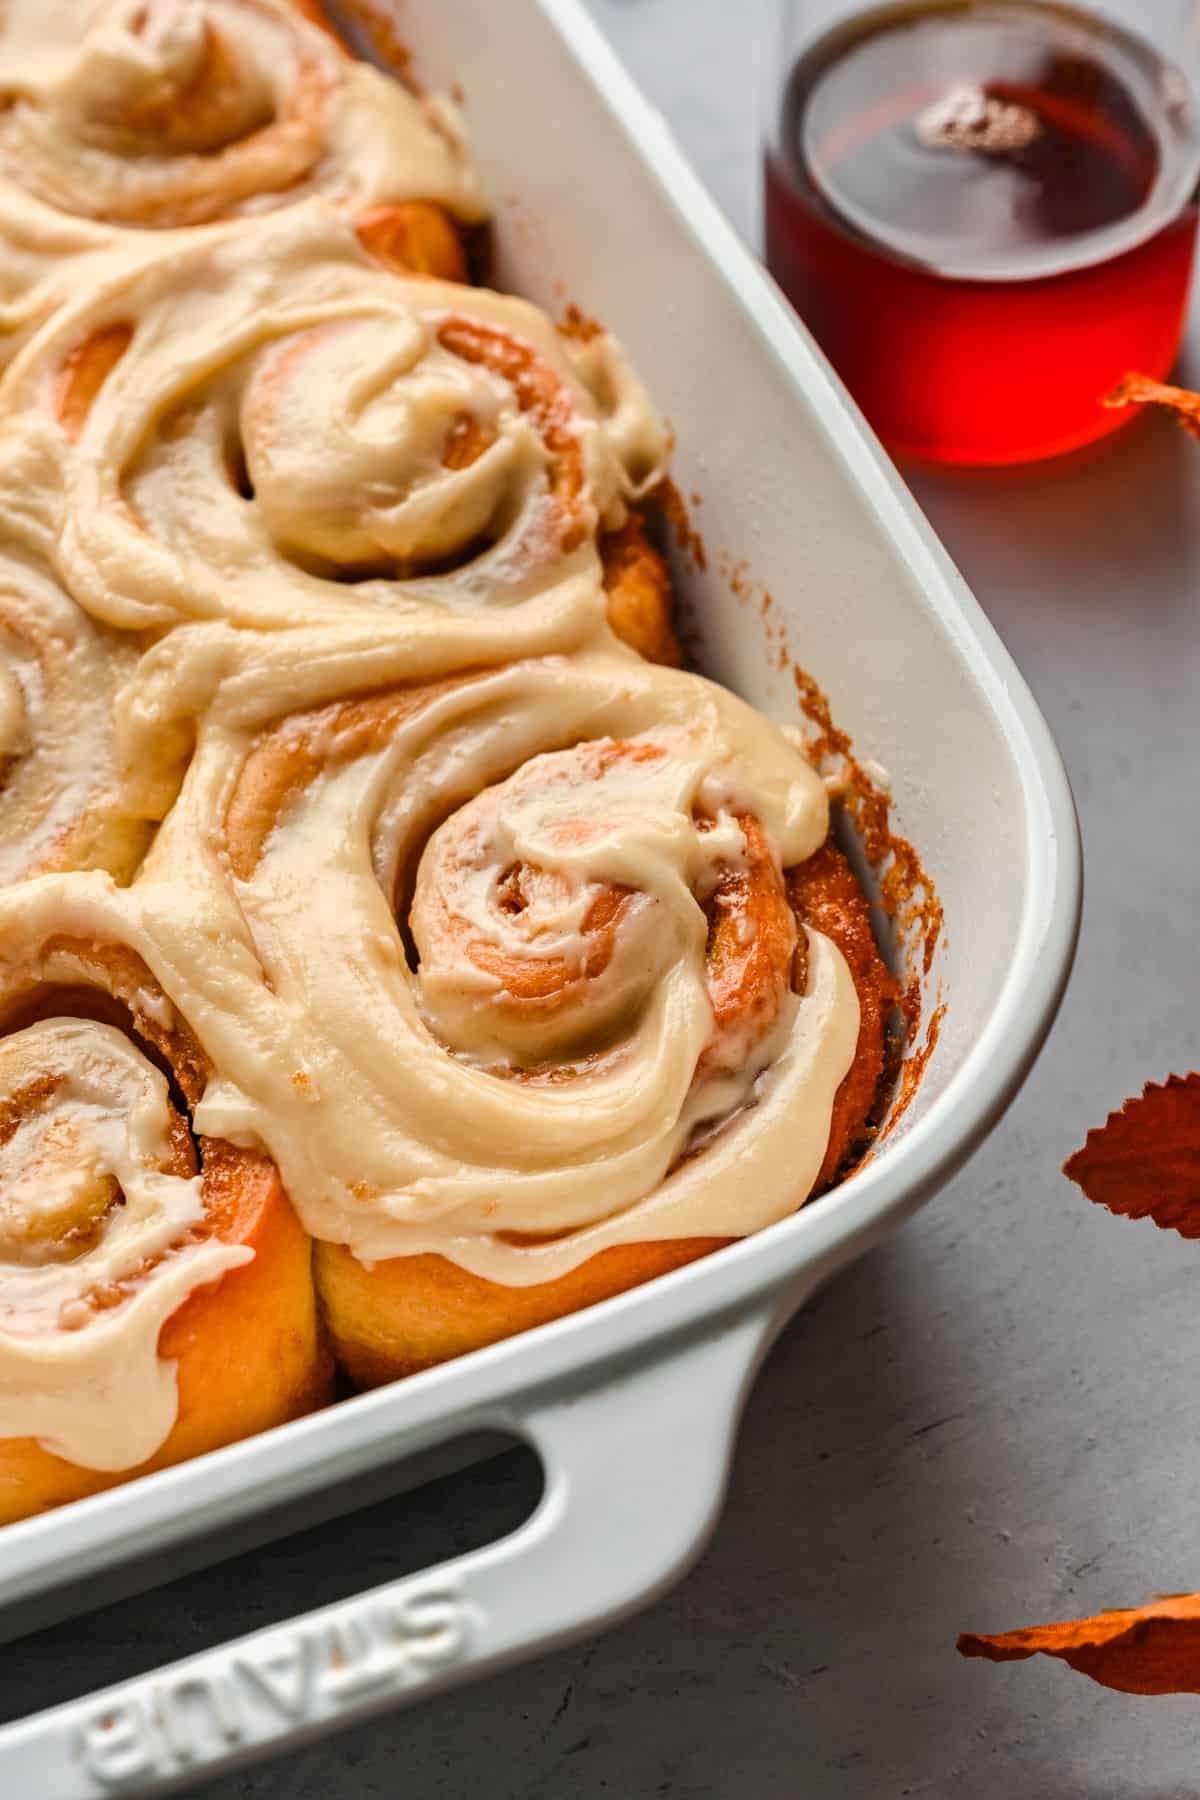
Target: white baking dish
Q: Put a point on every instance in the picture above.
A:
(632, 1406)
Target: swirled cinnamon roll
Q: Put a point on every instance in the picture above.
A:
(280, 432)
(120, 119)
(155, 1288)
(63, 804)
(506, 974)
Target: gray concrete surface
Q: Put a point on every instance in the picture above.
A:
(994, 1418)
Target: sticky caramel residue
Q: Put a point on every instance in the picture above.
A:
(906, 893)
(376, 24)
(641, 602)
(827, 896)
(905, 890)
(913, 1067)
(575, 323)
(674, 509)
(316, 14)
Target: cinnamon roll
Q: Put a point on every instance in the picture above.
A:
(63, 804)
(155, 1289)
(120, 119)
(473, 962)
(278, 431)
(505, 973)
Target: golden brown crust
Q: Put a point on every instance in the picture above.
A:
(415, 237)
(413, 1312)
(638, 584)
(826, 894)
(409, 1313)
(249, 1350)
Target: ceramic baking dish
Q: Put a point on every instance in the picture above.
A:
(631, 1406)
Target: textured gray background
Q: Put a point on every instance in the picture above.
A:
(991, 1420)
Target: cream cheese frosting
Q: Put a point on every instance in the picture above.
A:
(301, 557)
(127, 115)
(179, 112)
(101, 1209)
(332, 906)
(409, 1103)
(294, 435)
(63, 803)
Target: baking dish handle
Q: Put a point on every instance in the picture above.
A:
(635, 1461)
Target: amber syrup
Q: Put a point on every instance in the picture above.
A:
(984, 211)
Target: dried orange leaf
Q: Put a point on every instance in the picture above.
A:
(1139, 390)
(1145, 1162)
(1153, 1649)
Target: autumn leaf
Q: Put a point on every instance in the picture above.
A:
(1139, 390)
(1144, 1163)
(1152, 1649)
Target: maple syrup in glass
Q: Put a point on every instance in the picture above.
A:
(985, 212)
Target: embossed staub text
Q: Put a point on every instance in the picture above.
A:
(257, 1690)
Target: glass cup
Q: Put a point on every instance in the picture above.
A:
(985, 210)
